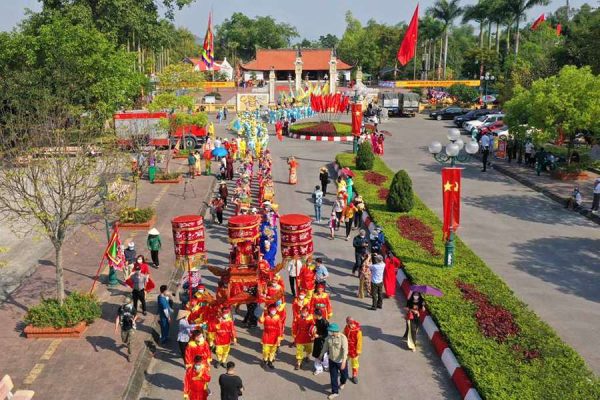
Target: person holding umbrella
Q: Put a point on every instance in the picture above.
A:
(415, 306)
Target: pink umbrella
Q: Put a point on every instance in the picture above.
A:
(347, 171)
(424, 289)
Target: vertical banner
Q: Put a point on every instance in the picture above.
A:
(356, 118)
(451, 196)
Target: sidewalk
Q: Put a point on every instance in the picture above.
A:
(93, 367)
(555, 189)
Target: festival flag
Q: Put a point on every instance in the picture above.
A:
(208, 48)
(408, 46)
(451, 197)
(558, 29)
(114, 252)
(538, 22)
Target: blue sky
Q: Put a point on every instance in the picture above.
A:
(312, 17)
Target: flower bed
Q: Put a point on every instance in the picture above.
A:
(50, 319)
(497, 369)
(375, 178)
(137, 218)
(171, 177)
(322, 128)
(413, 229)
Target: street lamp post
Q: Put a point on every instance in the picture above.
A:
(452, 154)
(486, 78)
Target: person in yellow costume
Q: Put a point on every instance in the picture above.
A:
(211, 130)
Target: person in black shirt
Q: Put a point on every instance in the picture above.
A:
(230, 384)
(324, 178)
(126, 316)
(321, 332)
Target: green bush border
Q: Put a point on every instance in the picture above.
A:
(131, 215)
(76, 308)
(495, 369)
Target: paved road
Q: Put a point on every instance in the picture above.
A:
(549, 256)
(387, 368)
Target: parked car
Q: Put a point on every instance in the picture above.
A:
(469, 125)
(471, 115)
(447, 113)
(490, 126)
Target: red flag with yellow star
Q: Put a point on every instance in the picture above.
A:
(451, 195)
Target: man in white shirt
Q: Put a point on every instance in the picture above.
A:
(485, 147)
(293, 267)
(528, 152)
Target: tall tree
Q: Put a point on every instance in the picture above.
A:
(478, 13)
(329, 41)
(518, 10)
(446, 11)
(430, 31)
(245, 35)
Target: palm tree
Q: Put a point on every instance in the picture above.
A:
(517, 9)
(447, 11)
(478, 13)
(430, 29)
(499, 15)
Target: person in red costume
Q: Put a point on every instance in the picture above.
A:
(270, 337)
(353, 333)
(197, 346)
(280, 304)
(225, 335)
(299, 303)
(303, 329)
(195, 383)
(320, 300)
(389, 274)
(306, 279)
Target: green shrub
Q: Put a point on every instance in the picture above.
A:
(365, 156)
(136, 215)
(77, 307)
(400, 197)
(496, 369)
(168, 176)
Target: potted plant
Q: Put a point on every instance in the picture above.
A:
(137, 218)
(50, 319)
(168, 177)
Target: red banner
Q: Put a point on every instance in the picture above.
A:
(451, 195)
(357, 117)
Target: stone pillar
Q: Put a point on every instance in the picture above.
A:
(272, 99)
(298, 69)
(359, 75)
(333, 75)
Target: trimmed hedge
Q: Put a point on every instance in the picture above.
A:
(496, 369)
(77, 307)
(136, 215)
(322, 128)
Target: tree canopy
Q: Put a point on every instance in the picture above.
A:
(239, 36)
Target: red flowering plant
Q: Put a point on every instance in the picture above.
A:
(383, 193)
(375, 178)
(414, 229)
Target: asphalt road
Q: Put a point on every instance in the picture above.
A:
(388, 369)
(549, 256)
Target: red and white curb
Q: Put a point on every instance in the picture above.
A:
(322, 138)
(457, 374)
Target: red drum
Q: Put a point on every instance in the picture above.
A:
(296, 235)
(244, 227)
(188, 235)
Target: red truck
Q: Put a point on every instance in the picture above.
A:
(143, 126)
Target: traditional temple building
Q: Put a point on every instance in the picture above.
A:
(291, 64)
(219, 66)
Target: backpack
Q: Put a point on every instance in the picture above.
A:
(318, 198)
(126, 313)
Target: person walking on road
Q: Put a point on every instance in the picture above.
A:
(364, 277)
(333, 223)
(353, 333)
(485, 148)
(414, 307)
(321, 333)
(317, 198)
(126, 317)
(138, 293)
(184, 331)
(392, 263)
(164, 313)
(348, 216)
(195, 382)
(321, 273)
(377, 269)
(294, 266)
(336, 347)
(324, 178)
(360, 207)
(361, 247)
(302, 330)
(596, 200)
(191, 160)
(154, 245)
(270, 337)
(231, 384)
(338, 208)
(130, 256)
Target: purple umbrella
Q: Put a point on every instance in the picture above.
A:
(424, 289)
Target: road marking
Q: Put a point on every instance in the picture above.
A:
(51, 349)
(160, 195)
(34, 373)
